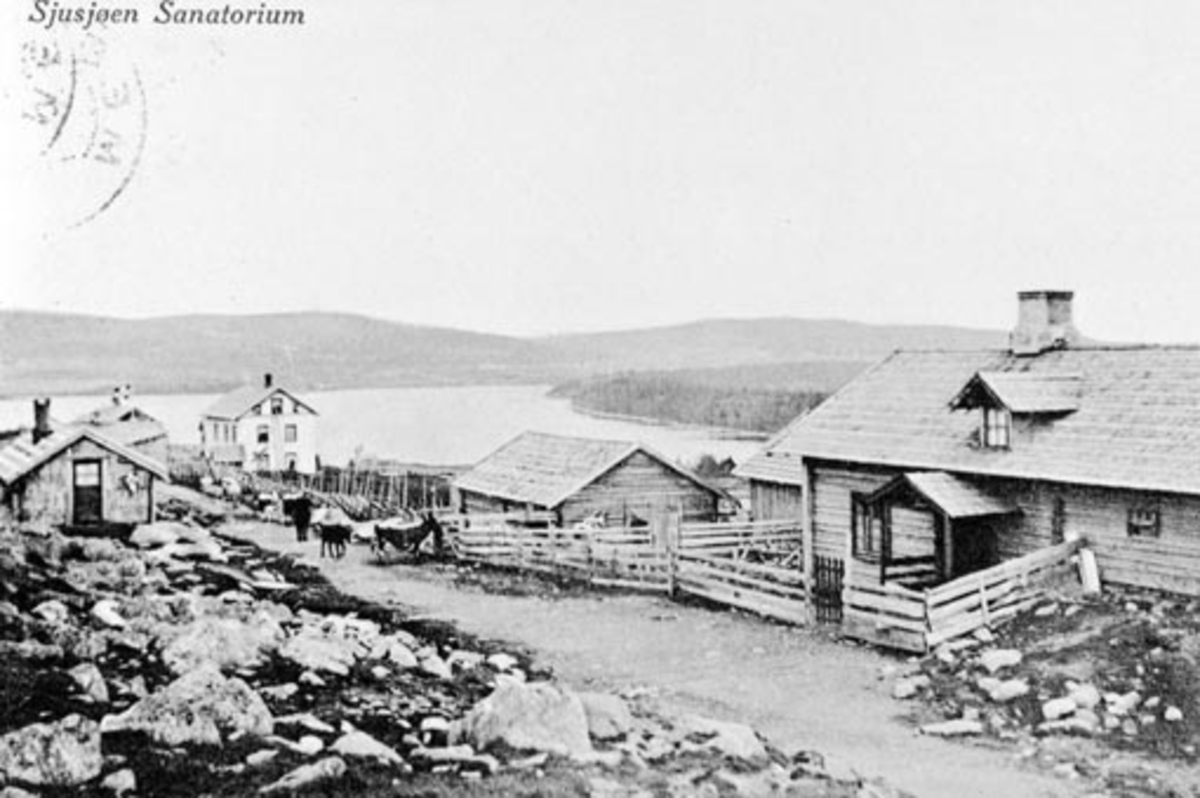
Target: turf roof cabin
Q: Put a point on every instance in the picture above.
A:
(575, 478)
(75, 476)
(935, 464)
(261, 428)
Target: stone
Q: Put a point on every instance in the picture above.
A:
(279, 692)
(436, 666)
(150, 536)
(106, 613)
(228, 643)
(503, 662)
(53, 612)
(961, 727)
(735, 740)
(62, 754)
(316, 651)
(308, 745)
(1173, 715)
(608, 716)
(328, 769)
(91, 682)
(197, 708)
(380, 672)
(120, 782)
(464, 660)
(1057, 708)
(996, 659)
(360, 745)
(1081, 727)
(527, 717)
(1003, 691)
(908, 687)
(435, 730)
(1122, 704)
(311, 679)
(261, 757)
(1085, 696)
(305, 720)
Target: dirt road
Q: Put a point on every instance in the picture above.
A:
(801, 689)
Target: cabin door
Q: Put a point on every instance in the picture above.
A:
(88, 493)
(974, 546)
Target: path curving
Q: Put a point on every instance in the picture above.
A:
(803, 690)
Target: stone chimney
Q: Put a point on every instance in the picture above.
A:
(1043, 322)
(268, 380)
(41, 419)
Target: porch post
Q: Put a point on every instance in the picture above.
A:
(947, 547)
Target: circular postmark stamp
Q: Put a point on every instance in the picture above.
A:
(81, 125)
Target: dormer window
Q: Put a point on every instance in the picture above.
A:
(997, 427)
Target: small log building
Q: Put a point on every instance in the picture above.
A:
(579, 477)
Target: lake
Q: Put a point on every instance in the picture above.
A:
(437, 426)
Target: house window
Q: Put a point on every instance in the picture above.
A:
(256, 410)
(289, 433)
(264, 433)
(1144, 522)
(997, 427)
(867, 529)
(277, 406)
(290, 461)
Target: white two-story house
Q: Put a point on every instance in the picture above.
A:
(261, 428)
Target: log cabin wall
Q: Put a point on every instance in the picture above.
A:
(833, 485)
(642, 485)
(45, 496)
(771, 501)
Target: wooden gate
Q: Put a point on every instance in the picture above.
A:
(828, 573)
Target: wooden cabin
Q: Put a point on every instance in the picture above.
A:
(75, 477)
(579, 477)
(935, 464)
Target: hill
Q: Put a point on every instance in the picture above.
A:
(68, 353)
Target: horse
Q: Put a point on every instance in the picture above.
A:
(408, 537)
(333, 527)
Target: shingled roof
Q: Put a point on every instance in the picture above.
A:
(545, 470)
(22, 456)
(1133, 420)
(240, 401)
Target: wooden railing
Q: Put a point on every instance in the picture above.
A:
(900, 617)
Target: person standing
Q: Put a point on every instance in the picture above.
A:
(302, 507)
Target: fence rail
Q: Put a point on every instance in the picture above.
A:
(912, 620)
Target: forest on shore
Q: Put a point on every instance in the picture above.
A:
(753, 398)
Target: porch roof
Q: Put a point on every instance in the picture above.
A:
(952, 495)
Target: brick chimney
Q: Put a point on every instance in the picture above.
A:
(268, 380)
(41, 419)
(1043, 322)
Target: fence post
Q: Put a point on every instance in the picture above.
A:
(672, 540)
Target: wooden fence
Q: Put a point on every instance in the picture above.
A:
(912, 620)
(754, 566)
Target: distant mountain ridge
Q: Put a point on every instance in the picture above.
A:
(70, 353)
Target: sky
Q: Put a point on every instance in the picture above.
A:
(542, 166)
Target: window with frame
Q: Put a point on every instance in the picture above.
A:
(277, 405)
(867, 528)
(264, 433)
(289, 433)
(1144, 522)
(997, 427)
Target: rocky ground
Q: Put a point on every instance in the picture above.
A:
(183, 663)
(1103, 689)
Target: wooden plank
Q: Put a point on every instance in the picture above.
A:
(791, 611)
(891, 605)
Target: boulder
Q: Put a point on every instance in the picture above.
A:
(1118, 704)
(360, 745)
(227, 643)
(62, 754)
(735, 740)
(608, 716)
(502, 661)
(106, 613)
(1085, 696)
(996, 659)
(909, 687)
(53, 612)
(436, 666)
(152, 536)
(537, 717)
(196, 708)
(953, 728)
(1057, 708)
(315, 651)
(1003, 690)
(90, 681)
(120, 782)
(327, 769)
